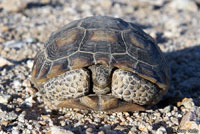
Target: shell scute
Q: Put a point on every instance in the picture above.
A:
(45, 69)
(80, 60)
(107, 23)
(62, 30)
(38, 63)
(58, 67)
(103, 58)
(65, 44)
(124, 62)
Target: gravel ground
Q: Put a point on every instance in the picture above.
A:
(26, 24)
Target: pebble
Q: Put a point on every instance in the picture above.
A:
(167, 109)
(30, 40)
(2, 115)
(10, 116)
(29, 101)
(4, 62)
(59, 130)
(134, 129)
(188, 5)
(97, 119)
(15, 131)
(120, 128)
(101, 132)
(14, 44)
(4, 99)
(89, 131)
(143, 128)
(106, 4)
(191, 120)
(13, 5)
(21, 117)
(17, 84)
(187, 103)
(161, 130)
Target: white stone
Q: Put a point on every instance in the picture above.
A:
(161, 130)
(4, 62)
(188, 5)
(15, 131)
(59, 130)
(4, 98)
(191, 120)
(29, 101)
(30, 64)
(14, 44)
(13, 5)
(17, 83)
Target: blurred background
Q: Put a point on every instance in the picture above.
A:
(163, 19)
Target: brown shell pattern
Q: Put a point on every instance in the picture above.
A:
(101, 40)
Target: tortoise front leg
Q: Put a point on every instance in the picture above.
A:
(69, 85)
(132, 88)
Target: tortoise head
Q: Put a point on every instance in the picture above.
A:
(101, 77)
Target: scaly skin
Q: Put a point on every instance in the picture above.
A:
(72, 84)
(131, 88)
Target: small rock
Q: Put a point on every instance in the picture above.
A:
(4, 28)
(190, 126)
(30, 64)
(174, 120)
(45, 117)
(26, 83)
(191, 120)
(120, 128)
(29, 101)
(79, 123)
(13, 5)
(133, 129)
(59, 130)
(167, 109)
(45, 1)
(187, 103)
(15, 131)
(142, 128)
(14, 44)
(161, 130)
(17, 83)
(20, 100)
(4, 62)
(101, 132)
(30, 40)
(106, 4)
(2, 115)
(21, 117)
(10, 116)
(1, 41)
(43, 123)
(4, 99)
(97, 119)
(5, 123)
(89, 131)
(188, 5)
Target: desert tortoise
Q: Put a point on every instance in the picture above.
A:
(101, 63)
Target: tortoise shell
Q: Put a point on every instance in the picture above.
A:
(101, 40)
